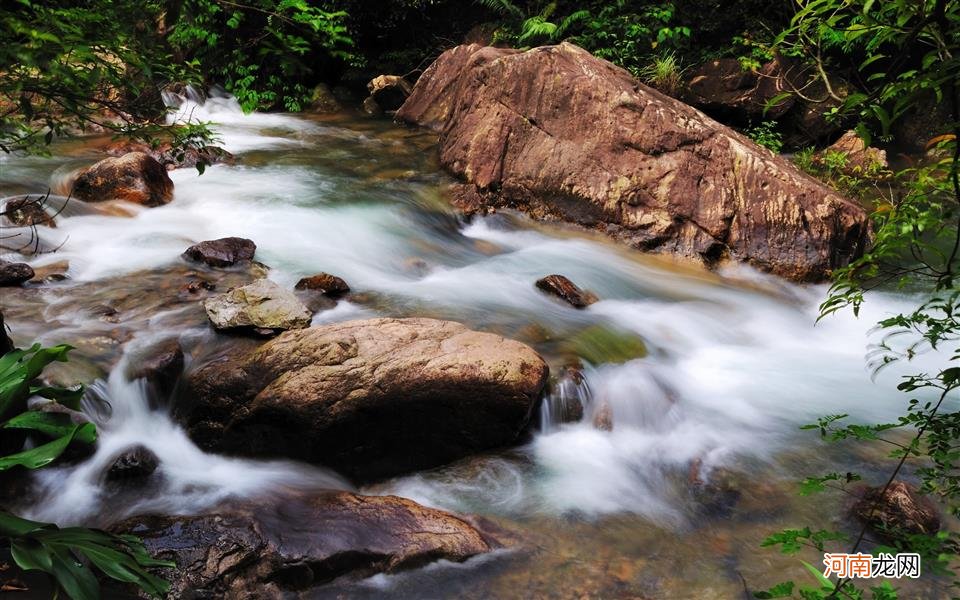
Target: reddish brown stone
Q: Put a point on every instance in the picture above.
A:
(566, 290)
(297, 543)
(561, 134)
(134, 177)
(325, 283)
(223, 252)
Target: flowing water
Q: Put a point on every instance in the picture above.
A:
(672, 503)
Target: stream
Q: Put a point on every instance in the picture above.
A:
(705, 451)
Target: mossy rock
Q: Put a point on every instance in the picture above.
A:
(601, 344)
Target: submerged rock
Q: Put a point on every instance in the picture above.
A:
(562, 134)
(14, 273)
(566, 290)
(370, 398)
(899, 511)
(261, 305)
(223, 252)
(134, 177)
(603, 344)
(28, 211)
(299, 543)
(325, 283)
(137, 462)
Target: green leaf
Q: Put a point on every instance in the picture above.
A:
(45, 454)
(824, 582)
(781, 590)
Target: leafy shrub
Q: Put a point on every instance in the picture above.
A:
(767, 135)
(262, 51)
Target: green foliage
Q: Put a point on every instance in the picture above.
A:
(262, 51)
(70, 67)
(767, 135)
(664, 73)
(906, 53)
(68, 555)
(630, 36)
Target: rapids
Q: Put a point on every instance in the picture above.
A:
(735, 360)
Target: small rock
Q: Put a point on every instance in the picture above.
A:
(901, 510)
(603, 417)
(566, 290)
(137, 462)
(416, 266)
(261, 304)
(860, 159)
(14, 273)
(134, 177)
(325, 283)
(28, 211)
(388, 92)
(223, 252)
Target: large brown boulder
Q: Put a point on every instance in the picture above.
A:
(299, 543)
(134, 177)
(561, 134)
(369, 398)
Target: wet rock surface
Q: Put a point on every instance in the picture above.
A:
(325, 283)
(134, 177)
(14, 273)
(28, 211)
(223, 252)
(260, 305)
(136, 463)
(370, 398)
(299, 543)
(566, 290)
(560, 134)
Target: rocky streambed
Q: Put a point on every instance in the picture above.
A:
(313, 377)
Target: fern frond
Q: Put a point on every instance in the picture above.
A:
(536, 27)
(503, 7)
(580, 15)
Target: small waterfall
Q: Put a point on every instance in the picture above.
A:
(187, 479)
(567, 401)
